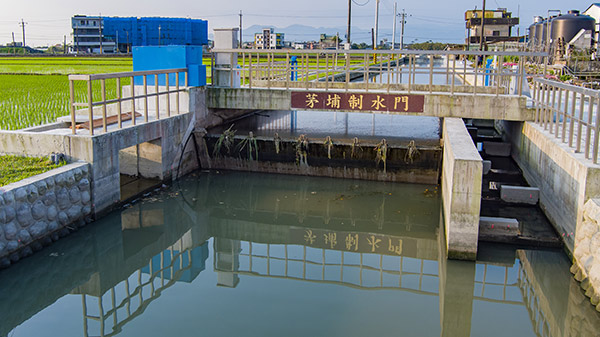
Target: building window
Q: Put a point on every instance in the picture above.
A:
(496, 33)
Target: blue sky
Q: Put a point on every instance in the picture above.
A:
(48, 21)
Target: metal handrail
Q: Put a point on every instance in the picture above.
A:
(89, 102)
(272, 68)
(569, 112)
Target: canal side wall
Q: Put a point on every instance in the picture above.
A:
(569, 190)
(38, 210)
(462, 174)
(340, 161)
(566, 179)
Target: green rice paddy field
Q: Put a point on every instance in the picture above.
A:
(35, 90)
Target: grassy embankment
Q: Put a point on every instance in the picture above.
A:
(14, 168)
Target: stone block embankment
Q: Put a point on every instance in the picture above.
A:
(586, 266)
(38, 210)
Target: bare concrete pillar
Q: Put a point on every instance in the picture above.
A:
(225, 63)
(457, 284)
(462, 172)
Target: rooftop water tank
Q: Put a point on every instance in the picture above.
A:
(568, 25)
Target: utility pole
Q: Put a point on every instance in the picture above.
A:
(375, 37)
(394, 26)
(403, 15)
(482, 37)
(64, 44)
(14, 45)
(241, 43)
(22, 24)
(349, 16)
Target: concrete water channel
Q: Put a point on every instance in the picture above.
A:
(226, 252)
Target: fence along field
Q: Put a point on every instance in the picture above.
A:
(35, 90)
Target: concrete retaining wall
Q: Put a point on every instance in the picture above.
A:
(462, 173)
(586, 266)
(37, 210)
(566, 179)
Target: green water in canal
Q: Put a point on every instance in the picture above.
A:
(242, 254)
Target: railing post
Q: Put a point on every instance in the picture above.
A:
(558, 112)
(348, 59)
(596, 136)
(90, 106)
(177, 94)
(565, 112)
(318, 72)
(168, 95)
(119, 117)
(327, 71)
(572, 118)
(580, 122)
(269, 69)
(212, 69)
(447, 69)
(536, 100)
(521, 75)
(547, 107)
(103, 95)
(453, 75)
(410, 71)
(366, 72)
(551, 117)
(430, 74)
(132, 100)
(476, 75)
(306, 70)
(250, 70)
(72, 106)
(146, 98)
(389, 72)
(588, 133)
(288, 73)
(156, 98)
(498, 75)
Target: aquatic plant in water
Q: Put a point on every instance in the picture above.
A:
(302, 150)
(226, 139)
(328, 145)
(355, 147)
(381, 151)
(277, 142)
(251, 146)
(411, 152)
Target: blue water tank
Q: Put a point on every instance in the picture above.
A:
(170, 57)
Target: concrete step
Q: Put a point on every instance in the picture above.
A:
(499, 149)
(520, 194)
(493, 226)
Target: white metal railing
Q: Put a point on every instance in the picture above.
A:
(88, 102)
(570, 113)
(397, 70)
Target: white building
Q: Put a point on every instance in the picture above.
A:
(268, 39)
(594, 12)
